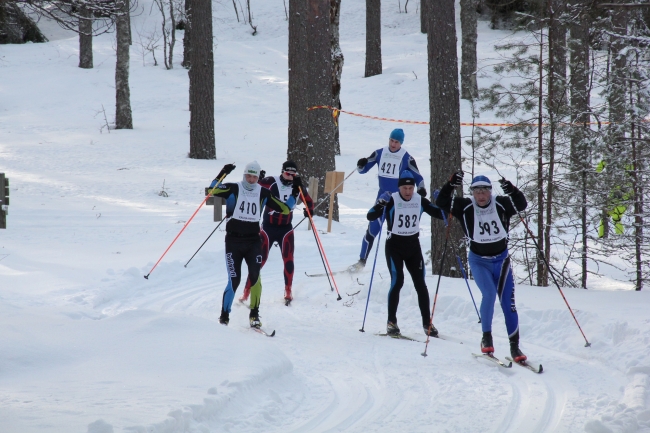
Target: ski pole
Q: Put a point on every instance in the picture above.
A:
(462, 270)
(215, 229)
(442, 261)
(323, 200)
(320, 245)
(185, 226)
(323, 260)
(587, 343)
(372, 275)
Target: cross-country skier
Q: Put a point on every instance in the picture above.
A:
(391, 161)
(277, 227)
(485, 220)
(244, 203)
(402, 211)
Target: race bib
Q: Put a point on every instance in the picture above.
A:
(487, 225)
(407, 215)
(389, 163)
(248, 204)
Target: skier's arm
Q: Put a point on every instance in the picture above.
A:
(309, 202)
(267, 182)
(368, 162)
(444, 201)
(419, 180)
(518, 198)
(431, 209)
(267, 199)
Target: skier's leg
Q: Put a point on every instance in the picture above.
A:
(396, 268)
(253, 257)
(506, 293)
(415, 266)
(369, 238)
(265, 255)
(287, 249)
(482, 272)
(234, 259)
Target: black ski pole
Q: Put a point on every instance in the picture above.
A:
(530, 233)
(215, 229)
(372, 275)
(435, 297)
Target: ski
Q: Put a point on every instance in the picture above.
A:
(352, 269)
(345, 271)
(263, 332)
(399, 337)
(492, 358)
(535, 368)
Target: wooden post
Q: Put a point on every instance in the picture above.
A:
(313, 192)
(218, 203)
(333, 185)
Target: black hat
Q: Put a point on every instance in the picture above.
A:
(406, 178)
(290, 166)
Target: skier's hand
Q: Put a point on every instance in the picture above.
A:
(422, 191)
(226, 170)
(383, 199)
(262, 174)
(305, 213)
(362, 162)
(456, 178)
(297, 186)
(507, 186)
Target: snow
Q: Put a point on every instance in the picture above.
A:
(87, 345)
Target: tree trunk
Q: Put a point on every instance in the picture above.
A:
(425, 5)
(337, 66)
(311, 133)
(468, 17)
(202, 142)
(542, 274)
(444, 116)
(186, 35)
(86, 38)
(373, 38)
(123, 116)
(579, 86)
(172, 42)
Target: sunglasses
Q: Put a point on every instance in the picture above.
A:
(481, 189)
(290, 173)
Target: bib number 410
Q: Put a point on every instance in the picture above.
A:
(248, 208)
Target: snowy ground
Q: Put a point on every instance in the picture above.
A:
(88, 345)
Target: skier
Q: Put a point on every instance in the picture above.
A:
(391, 161)
(277, 227)
(486, 220)
(402, 211)
(244, 203)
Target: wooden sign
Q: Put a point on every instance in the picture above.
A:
(333, 185)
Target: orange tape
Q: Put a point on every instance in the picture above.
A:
(336, 113)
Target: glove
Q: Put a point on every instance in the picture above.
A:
(297, 185)
(362, 162)
(456, 179)
(507, 186)
(262, 174)
(383, 199)
(305, 213)
(422, 191)
(226, 170)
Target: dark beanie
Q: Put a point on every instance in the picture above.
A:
(290, 166)
(406, 178)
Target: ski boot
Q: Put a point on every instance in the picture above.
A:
(486, 343)
(392, 329)
(357, 266)
(517, 354)
(254, 318)
(287, 295)
(224, 319)
(433, 332)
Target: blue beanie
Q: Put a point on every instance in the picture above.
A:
(481, 181)
(406, 178)
(397, 134)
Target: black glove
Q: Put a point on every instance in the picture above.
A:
(422, 191)
(262, 174)
(305, 213)
(226, 170)
(383, 199)
(507, 186)
(297, 185)
(456, 179)
(362, 162)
